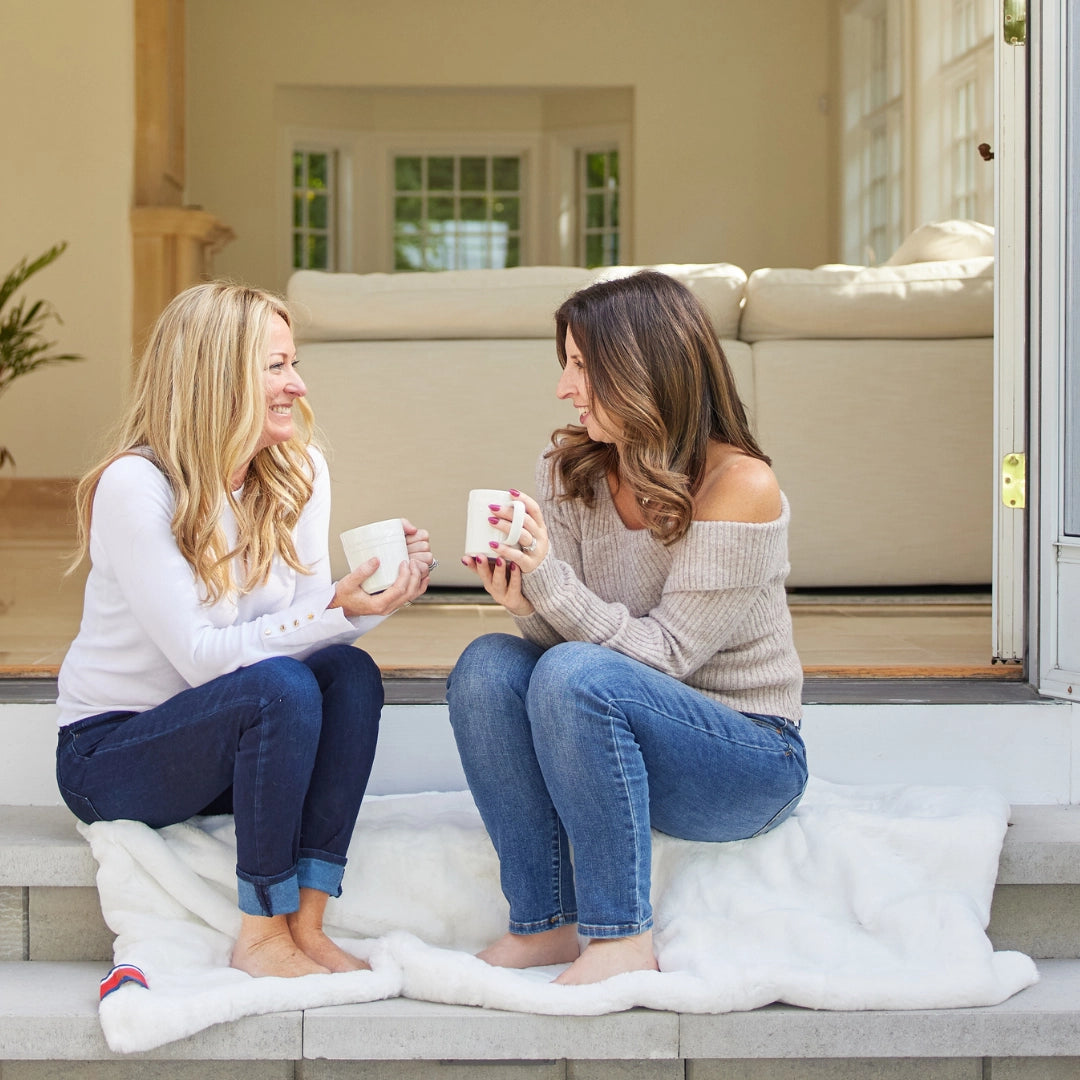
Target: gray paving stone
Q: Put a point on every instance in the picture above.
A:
(625, 1070)
(429, 1070)
(147, 1070)
(67, 924)
(1039, 1021)
(1042, 845)
(39, 845)
(14, 924)
(838, 1069)
(1040, 920)
(1033, 1068)
(48, 1011)
(402, 1029)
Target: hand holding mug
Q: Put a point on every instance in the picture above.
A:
(352, 596)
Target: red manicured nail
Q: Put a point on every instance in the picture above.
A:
(498, 562)
(465, 560)
(493, 520)
(494, 506)
(493, 543)
(514, 493)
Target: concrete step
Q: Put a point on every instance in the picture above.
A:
(48, 1013)
(49, 906)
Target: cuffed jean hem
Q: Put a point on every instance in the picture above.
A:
(590, 930)
(321, 874)
(268, 897)
(544, 924)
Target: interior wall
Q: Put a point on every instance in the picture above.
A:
(731, 125)
(67, 76)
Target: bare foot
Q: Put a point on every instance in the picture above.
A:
(558, 946)
(323, 951)
(265, 947)
(604, 957)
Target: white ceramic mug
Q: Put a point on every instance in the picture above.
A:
(383, 538)
(479, 532)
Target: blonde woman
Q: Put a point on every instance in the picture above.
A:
(213, 670)
(656, 683)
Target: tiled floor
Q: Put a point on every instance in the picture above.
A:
(867, 635)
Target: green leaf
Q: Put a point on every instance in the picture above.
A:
(23, 347)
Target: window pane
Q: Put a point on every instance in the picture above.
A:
(318, 170)
(318, 252)
(298, 251)
(441, 173)
(507, 211)
(441, 208)
(613, 239)
(408, 208)
(594, 170)
(594, 250)
(614, 210)
(613, 168)
(298, 209)
(474, 174)
(298, 169)
(513, 251)
(505, 173)
(473, 209)
(594, 211)
(407, 255)
(407, 173)
(318, 211)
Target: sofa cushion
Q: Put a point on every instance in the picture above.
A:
(951, 299)
(515, 303)
(719, 287)
(939, 240)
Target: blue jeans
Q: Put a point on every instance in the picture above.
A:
(285, 745)
(580, 746)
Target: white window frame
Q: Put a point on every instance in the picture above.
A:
(975, 66)
(375, 233)
(564, 148)
(342, 144)
(865, 119)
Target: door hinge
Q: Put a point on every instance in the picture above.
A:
(1014, 21)
(1014, 481)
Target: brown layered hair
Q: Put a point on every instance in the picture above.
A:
(656, 368)
(197, 411)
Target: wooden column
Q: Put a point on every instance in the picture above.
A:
(173, 244)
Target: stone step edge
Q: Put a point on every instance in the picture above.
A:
(39, 845)
(48, 1011)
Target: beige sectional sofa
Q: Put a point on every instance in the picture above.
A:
(871, 389)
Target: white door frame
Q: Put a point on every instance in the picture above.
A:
(1010, 341)
(1055, 267)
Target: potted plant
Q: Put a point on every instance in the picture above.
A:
(22, 344)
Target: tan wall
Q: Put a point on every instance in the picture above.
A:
(731, 146)
(67, 79)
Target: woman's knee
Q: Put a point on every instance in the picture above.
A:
(287, 688)
(349, 665)
(566, 672)
(490, 661)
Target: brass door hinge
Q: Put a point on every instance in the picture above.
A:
(1014, 21)
(1014, 481)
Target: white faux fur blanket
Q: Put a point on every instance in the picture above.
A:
(866, 898)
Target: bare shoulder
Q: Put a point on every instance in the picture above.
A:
(737, 487)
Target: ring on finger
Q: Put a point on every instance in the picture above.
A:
(531, 548)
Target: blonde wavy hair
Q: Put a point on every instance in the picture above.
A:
(197, 411)
(654, 364)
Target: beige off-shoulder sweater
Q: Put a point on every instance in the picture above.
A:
(709, 610)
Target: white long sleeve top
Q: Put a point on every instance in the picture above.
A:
(146, 633)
